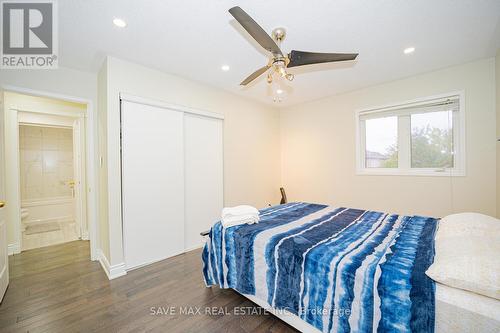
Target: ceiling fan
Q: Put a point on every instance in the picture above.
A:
(279, 62)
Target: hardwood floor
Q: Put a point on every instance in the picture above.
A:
(58, 289)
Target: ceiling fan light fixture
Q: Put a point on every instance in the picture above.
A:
(278, 89)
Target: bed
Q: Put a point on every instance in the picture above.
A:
(335, 269)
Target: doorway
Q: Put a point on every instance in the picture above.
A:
(46, 166)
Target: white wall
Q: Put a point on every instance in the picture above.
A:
(58, 81)
(319, 153)
(102, 87)
(251, 138)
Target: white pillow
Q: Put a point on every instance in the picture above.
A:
(464, 224)
(468, 253)
(468, 262)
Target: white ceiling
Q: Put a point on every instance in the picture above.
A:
(193, 38)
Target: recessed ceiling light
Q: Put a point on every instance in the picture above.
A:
(225, 68)
(119, 22)
(409, 50)
(279, 91)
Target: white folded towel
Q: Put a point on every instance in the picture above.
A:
(239, 210)
(244, 214)
(238, 220)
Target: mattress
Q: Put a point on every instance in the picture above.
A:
(457, 311)
(460, 311)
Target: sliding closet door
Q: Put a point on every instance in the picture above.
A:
(152, 183)
(203, 177)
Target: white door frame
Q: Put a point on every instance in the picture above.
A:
(90, 160)
(79, 175)
(4, 271)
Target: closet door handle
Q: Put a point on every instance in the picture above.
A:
(2, 204)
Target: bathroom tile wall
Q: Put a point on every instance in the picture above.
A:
(46, 162)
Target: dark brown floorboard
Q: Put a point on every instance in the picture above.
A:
(58, 289)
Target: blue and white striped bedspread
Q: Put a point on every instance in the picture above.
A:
(339, 269)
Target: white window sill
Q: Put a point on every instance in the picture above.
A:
(410, 172)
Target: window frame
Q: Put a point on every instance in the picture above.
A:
(404, 138)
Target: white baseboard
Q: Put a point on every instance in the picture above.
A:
(196, 247)
(13, 249)
(118, 270)
(114, 271)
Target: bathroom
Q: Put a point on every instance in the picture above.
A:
(47, 186)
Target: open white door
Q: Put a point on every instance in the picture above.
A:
(4, 261)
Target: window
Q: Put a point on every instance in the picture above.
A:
(425, 137)
(381, 148)
(432, 140)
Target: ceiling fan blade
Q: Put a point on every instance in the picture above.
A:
(254, 75)
(300, 58)
(255, 30)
